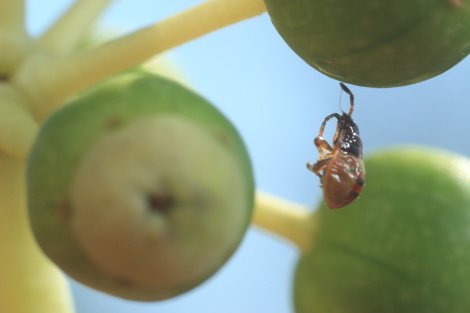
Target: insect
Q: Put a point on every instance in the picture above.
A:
(340, 168)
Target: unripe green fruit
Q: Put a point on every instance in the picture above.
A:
(139, 188)
(403, 246)
(375, 43)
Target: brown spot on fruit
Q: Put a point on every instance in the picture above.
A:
(64, 212)
(160, 202)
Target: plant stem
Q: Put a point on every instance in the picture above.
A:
(14, 41)
(71, 28)
(29, 282)
(289, 220)
(50, 82)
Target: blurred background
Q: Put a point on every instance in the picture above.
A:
(277, 102)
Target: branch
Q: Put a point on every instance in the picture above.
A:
(286, 219)
(49, 83)
(14, 41)
(70, 29)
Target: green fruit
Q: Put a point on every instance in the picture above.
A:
(404, 246)
(139, 188)
(375, 43)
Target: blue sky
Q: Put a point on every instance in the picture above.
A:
(277, 102)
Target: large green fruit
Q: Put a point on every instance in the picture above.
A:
(403, 246)
(375, 43)
(139, 188)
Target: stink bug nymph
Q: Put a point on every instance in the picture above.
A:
(340, 168)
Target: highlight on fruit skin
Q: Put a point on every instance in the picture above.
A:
(375, 43)
(402, 247)
(139, 188)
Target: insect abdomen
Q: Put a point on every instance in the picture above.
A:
(343, 180)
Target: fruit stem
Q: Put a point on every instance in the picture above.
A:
(12, 15)
(50, 82)
(30, 283)
(286, 219)
(13, 38)
(17, 127)
(70, 29)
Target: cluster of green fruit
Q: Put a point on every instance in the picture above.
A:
(140, 188)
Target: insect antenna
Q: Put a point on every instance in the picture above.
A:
(339, 103)
(351, 97)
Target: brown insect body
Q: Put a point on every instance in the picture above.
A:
(340, 168)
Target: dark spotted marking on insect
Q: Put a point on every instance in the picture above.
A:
(340, 167)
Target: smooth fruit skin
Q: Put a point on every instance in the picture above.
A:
(403, 246)
(69, 133)
(375, 43)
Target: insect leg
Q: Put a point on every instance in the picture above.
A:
(351, 97)
(318, 167)
(321, 144)
(322, 127)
